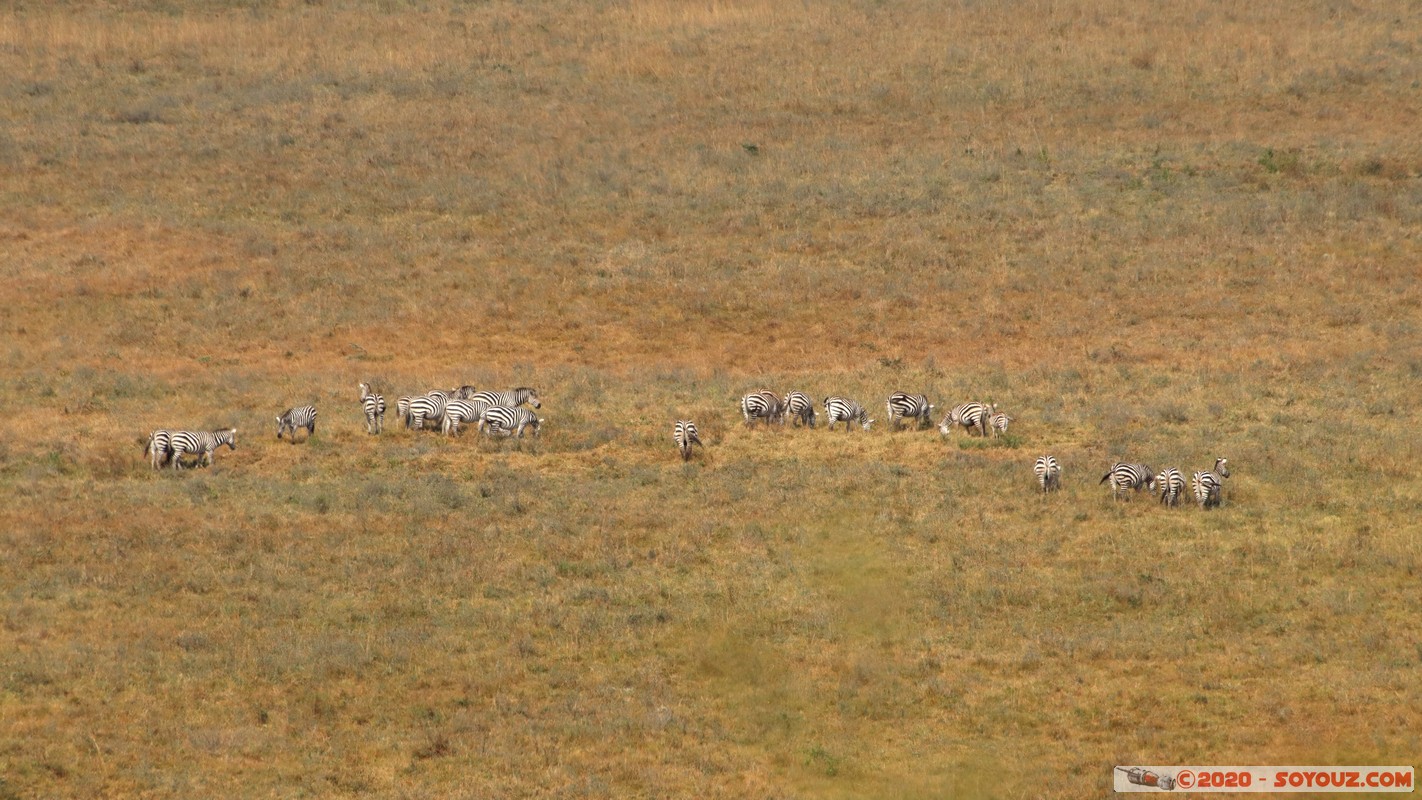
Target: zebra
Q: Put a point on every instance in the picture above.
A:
(203, 443)
(159, 448)
(842, 409)
(458, 412)
(426, 408)
(1125, 477)
(968, 415)
(762, 405)
(511, 398)
(402, 408)
(997, 421)
(902, 405)
(1209, 485)
(506, 421)
(1171, 484)
(298, 417)
(464, 392)
(685, 435)
(1049, 473)
(800, 408)
(374, 407)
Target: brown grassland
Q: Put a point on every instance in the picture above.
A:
(1149, 231)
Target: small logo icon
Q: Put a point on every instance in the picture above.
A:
(1144, 777)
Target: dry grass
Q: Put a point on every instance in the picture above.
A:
(1151, 232)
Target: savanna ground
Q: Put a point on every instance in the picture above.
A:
(1154, 231)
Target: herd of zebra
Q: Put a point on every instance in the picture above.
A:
(799, 409)
(503, 413)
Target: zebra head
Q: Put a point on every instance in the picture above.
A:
(364, 390)
(530, 396)
(865, 422)
(227, 437)
(1222, 467)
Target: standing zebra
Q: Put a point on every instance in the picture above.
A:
(685, 435)
(1125, 477)
(202, 443)
(800, 408)
(374, 407)
(1209, 485)
(1049, 473)
(842, 409)
(458, 412)
(402, 408)
(511, 398)
(997, 421)
(299, 417)
(969, 416)
(506, 421)
(903, 405)
(426, 408)
(1171, 484)
(159, 448)
(762, 405)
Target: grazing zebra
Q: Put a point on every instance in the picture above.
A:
(426, 408)
(1209, 485)
(1171, 484)
(902, 405)
(842, 409)
(969, 416)
(800, 408)
(997, 421)
(685, 435)
(1049, 473)
(506, 421)
(512, 398)
(458, 412)
(299, 417)
(374, 407)
(1125, 477)
(159, 448)
(203, 443)
(762, 405)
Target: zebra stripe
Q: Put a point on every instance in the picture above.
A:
(968, 416)
(997, 422)
(1171, 484)
(800, 408)
(299, 417)
(1209, 485)
(427, 408)
(374, 407)
(684, 433)
(762, 405)
(506, 421)
(511, 398)
(459, 412)
(842, 409)
(203, 443)
(1125, 477)
(159, 448)
(902, 405)
(1049, 473)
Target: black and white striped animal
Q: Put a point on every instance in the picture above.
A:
(1126, 477)
(903, 405)
(402, 408)
(374, 407)
(299, 417)
(1209, 485)
(510, 398)
(426, 408)
(159, 448)
(842, 409)
(462, 412)
(464, 392)
(969, 416)
(201, 443)
(1171, 484)
(1049, 473)
(685, 435)
(997, 421)
(762, 405)
(800, 408)
(506, 421)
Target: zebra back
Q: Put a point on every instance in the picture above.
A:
(684, 433)
(1048, 473)
(902, 405)
(799, 406)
